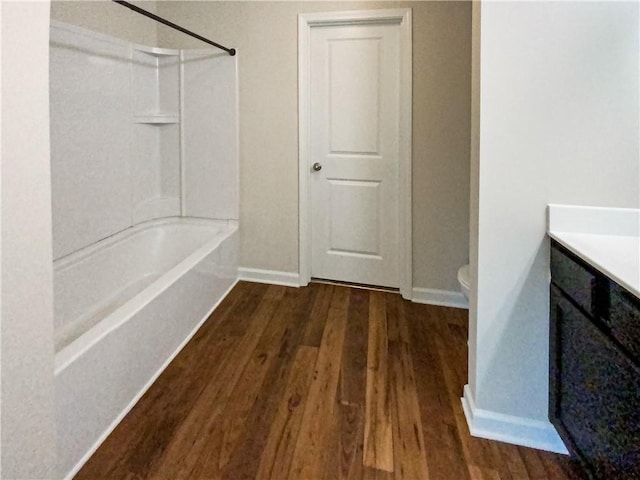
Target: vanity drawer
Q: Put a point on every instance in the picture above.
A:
(573, 278)
(624, 319)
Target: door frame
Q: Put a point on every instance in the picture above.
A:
(307, 21)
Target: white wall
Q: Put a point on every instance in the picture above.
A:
(27, 437)
(559, 122)
(265, 35)
(474, 175)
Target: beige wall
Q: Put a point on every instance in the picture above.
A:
(265, 35)
(110, 18)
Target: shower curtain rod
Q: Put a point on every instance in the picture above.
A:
(230, 51)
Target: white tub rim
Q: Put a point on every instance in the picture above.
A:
(61, 263)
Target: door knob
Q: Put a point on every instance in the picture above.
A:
(317, 167)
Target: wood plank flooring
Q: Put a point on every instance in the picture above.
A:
(322, 382)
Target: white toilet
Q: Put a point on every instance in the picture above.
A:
(463, 279)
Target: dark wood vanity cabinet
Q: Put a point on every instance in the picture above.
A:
(594, 367)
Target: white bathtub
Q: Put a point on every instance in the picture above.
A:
(123, 308)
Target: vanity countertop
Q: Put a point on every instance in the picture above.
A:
(607, 238)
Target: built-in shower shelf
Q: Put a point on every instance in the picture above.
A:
(157, 119)
(157, 51)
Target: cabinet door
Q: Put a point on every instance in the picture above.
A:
(597, 394)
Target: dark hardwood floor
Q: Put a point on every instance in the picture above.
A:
(322, 382)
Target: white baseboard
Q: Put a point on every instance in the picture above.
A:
(143, 390)
(510, 429)
(273, 277)
(443, 298)
(429, 296)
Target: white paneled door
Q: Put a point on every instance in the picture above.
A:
(354, 151)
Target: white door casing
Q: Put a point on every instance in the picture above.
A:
(355, 120)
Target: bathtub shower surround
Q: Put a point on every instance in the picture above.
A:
(144, 160)
(138, 133)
